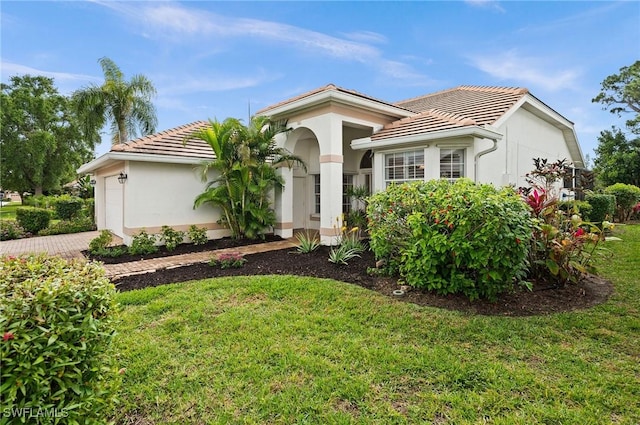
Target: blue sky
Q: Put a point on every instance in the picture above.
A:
(221, 59)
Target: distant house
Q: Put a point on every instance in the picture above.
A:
(488, 134)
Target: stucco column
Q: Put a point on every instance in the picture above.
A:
(283, 205)
(330, 198)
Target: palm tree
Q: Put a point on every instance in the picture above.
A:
(125, 105)
(245, 162)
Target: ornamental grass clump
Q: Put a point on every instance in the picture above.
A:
(57, 324)
(447, 237)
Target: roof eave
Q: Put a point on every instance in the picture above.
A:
(111, 157)
(470, 131)
(337, 97)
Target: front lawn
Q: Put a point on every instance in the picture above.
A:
(8, 211)
(288, 349)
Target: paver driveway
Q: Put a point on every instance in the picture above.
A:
(66, 246)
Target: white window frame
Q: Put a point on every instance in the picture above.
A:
(409, 166)
(452, 168)
(317, 194)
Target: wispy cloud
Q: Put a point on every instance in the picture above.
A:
(176, 23)
(9, 68)
(487, 4)
(190, 84)
(512, 66)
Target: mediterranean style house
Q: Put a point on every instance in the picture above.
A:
(347, 139)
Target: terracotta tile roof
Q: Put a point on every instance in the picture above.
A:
(424, 122)
(327, 88)
(484, 105)
(170, 142)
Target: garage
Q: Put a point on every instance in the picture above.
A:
(113, 205)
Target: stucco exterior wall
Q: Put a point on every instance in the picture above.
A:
(157, 194)
(525, 137)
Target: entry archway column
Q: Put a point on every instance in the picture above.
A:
(330, 198)
(283, 203)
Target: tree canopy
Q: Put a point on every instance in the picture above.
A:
(617, 155)
(620, 93)
(41, 142)
(125, 105)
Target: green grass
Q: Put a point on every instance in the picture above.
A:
(284, 350)
(8, 212)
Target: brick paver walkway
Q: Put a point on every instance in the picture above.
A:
(70, 246)
(66, 246)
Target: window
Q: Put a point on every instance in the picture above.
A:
(451, 164)
(347, 184)
(404, 166)
(316, 192)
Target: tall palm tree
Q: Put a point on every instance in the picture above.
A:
(125, 105)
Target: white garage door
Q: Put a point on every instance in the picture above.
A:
(113, 205)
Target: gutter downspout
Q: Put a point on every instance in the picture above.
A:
(479, 154)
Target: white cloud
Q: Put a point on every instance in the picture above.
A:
(486, 4)
(173, 22)
(511, 66)
(9, 68)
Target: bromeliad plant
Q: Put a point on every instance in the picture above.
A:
(228, 260)
(563, 245)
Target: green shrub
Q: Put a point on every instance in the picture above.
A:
(197, 235)
(582, 208)
(101, 241)
(143, 243)
(57, 321)
(10, 229)
(172, 238)
(75, 225)
(90, 209)
(627, 195)
(68, 207)
(460, 237)
(228, 260)
(603, 207)
(33, 220)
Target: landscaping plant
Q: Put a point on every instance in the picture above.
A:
(172, 238)
(627, 195)
(143, 243)
(228, 260)
(197, 235)
(33, 220)
(451, 237)
(100, 242)
(563, 244)
(603, 207)
(10, 229)
(246, 161)
(307, 243)
(348, 243)
(57, 322)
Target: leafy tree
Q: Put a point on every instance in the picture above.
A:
(621, 93)
(246, 160)
(617, 159)
(42, 143)
(125, 105)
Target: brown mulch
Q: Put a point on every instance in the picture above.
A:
(543, 299)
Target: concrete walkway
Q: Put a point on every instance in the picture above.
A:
(70, 246)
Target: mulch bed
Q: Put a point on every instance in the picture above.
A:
(522, 302)
(185, 248)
